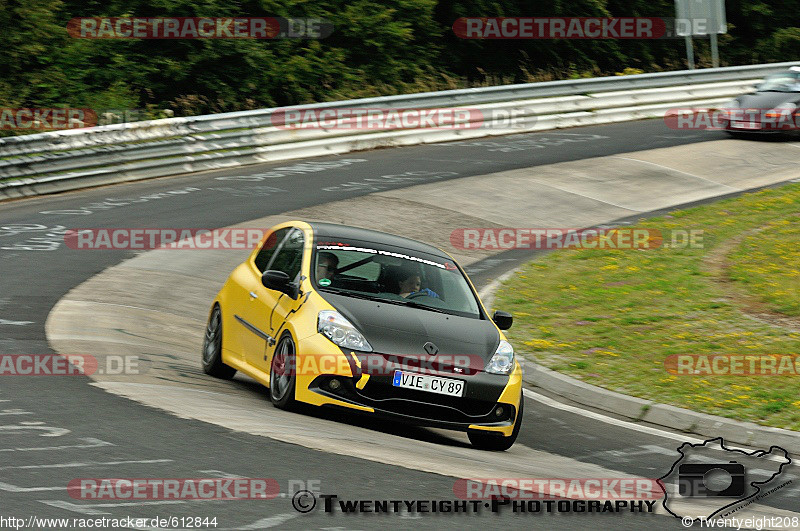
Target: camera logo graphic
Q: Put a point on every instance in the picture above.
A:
(715, 479)
(710, 479)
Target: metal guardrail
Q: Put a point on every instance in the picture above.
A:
(63, 160)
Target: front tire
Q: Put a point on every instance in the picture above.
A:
(212, 348)
(282, 373)
(489, 441)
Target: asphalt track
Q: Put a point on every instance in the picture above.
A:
(56, 429)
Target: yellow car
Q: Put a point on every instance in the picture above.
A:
(338, 316)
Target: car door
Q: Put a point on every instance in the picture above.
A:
(288, 259)
(251, 310)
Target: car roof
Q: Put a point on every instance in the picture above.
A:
(346, 232)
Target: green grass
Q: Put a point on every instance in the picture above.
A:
(611, 317)
(768, 264)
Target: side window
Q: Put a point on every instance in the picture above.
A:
(270, 245)
(289, 257)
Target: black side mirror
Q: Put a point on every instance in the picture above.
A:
(279, 281)
(503, 320)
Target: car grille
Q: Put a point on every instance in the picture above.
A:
(411, 402)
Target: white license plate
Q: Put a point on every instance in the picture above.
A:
(745, 125)
(426, 382)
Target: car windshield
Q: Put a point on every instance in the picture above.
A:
(393, 275)
(784, 82)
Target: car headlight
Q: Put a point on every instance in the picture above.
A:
(335, 327)
(503, 360)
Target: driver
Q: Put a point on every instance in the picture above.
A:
(326, 265)
(410, 284)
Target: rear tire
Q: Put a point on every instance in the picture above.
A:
(212, 348)
(282, 376)
(489, 441)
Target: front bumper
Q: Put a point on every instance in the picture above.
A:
(412, 407)
(484, 406)
(756, 126)
(374, 393)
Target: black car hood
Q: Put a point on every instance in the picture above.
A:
(767, 100)
(401, 330)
